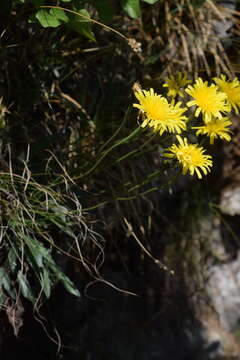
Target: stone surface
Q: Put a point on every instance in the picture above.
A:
(224, 290)
(223, 25)
(220, 317)
(230, 200)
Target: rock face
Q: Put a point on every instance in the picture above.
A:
(218, 343)
(224, 291)
(222, 26)
(126, 327)
(221, 321)
(230, 200)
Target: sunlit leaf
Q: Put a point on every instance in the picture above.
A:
(46, 19)
(59, 14)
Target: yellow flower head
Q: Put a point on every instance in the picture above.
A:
(191, 157)
(208, 99)
(231, 89)
(175, 83)
(159, 114)
(215, 128)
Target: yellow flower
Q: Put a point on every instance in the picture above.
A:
(159, 114)
(208, 99)
(231, 89)
(175, 83)
(215, 128)
(191, 157)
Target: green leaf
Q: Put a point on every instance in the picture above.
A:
(69, 286)
(132, 8)
(67, 283)
(59, 14)
(46, 19)
(46, 283)
(37, 250)
(82, 25)
(12, 257)
(24, 286)
(150, 1)
(5, 281)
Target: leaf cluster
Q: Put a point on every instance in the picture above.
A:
(35, 221)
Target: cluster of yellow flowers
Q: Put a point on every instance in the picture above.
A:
(212, 102)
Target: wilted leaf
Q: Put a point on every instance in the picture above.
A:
(15, 315)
